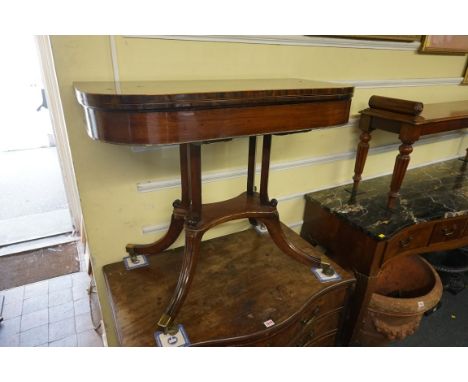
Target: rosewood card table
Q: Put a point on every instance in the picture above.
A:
(410, 120)
(189, 113)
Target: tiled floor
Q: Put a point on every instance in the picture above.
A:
(53, 312)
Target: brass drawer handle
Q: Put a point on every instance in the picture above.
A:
(307, 322)
(404, 243)
(448, 232)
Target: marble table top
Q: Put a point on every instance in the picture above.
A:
(428, 193)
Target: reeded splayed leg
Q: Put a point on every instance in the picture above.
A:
(191, 252)
(193, 237)
(177, 219)
(279, 238)
(273, 224)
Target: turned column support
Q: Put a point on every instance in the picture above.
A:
(251, 171)
(264, 175)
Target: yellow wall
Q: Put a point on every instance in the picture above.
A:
(107, 175)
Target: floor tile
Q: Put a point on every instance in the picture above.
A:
(84, 285)
(10, 327)
(59, 283)
(37, 289)
(36, 303)
(65, 342)
(80, 278)
(60, 312)
(12, 310)
(32, 320)
(79, 293)
(89, 338)
(35, 336)
(60, 297)
(83, 266)
(82, 306)
(10, 341)
(83, 322)
(61, 329)
(13, 295)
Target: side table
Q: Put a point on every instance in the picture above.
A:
(410, 120)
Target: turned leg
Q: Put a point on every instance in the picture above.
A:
(361, 154)
(399, 171)
(191, 252)
(177, 219)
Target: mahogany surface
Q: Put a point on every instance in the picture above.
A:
(410, 120)
(170, 112)
(190, 113)
(242, 280)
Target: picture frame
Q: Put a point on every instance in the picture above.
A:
(445, 44)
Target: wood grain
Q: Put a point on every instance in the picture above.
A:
(242, 280)
(170, 112)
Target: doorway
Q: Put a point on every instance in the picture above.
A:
(38, 230)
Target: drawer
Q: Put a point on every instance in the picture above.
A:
(411, 238)
(322, 314)
(328, 302)
(324, 324)
(328, 339)
(448, 230)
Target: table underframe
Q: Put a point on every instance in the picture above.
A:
(195, 218)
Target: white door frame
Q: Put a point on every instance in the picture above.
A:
(54, 103)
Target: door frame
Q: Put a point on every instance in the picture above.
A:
(54, 103)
